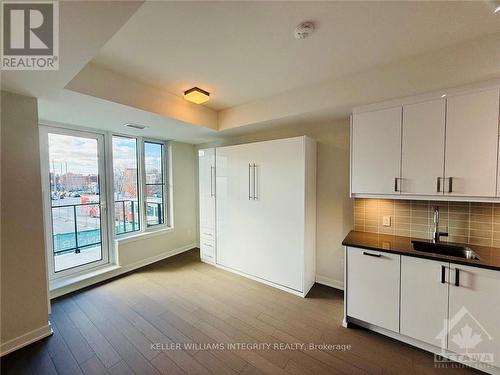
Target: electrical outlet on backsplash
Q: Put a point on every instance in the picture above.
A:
(466, 222)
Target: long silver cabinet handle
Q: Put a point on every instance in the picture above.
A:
(254, 181)
(438, 187)
(212, 181)
(450, 184)
(249, 181)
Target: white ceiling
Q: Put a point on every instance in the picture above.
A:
(244, 51)
(71, 108)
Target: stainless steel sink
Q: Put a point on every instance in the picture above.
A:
(445, 249)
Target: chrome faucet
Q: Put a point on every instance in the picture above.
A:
(436, 234)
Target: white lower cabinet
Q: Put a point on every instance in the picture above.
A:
(475, 312)
(422, 301)
(373, 287)
(424, 293)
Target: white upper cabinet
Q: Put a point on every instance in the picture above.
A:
(471, 144)
(428, 147)
(376, 152)
(422, 161)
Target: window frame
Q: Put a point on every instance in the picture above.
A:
(165, 181)
(141, 176)
(138, 181)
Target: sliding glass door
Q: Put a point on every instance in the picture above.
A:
(75, 200)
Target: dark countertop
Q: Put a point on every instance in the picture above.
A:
(489, 256)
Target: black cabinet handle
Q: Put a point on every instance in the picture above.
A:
(372, 255)
(457, 277)
(443, 274)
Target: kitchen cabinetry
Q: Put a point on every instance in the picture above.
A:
(376, 151)
(422, 160)
(206, 178)
(373, 287)
(438, 147)
(266, 211)
(474, 302)
(424, 293)
(471, 144)
(449, 309)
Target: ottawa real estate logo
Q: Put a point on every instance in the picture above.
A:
(30, 35)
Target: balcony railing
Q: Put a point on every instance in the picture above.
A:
(76, 227)
(126, 216)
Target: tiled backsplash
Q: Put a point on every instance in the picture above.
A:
(474, 223)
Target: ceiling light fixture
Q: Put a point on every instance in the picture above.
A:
(303, 30)
(443, 96)
(497, 9)
(135, 126)
(196, 95)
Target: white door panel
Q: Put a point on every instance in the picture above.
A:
(424, 292)
(373, 287)
(423, 148)
(471, 143)
(260, 210)
(474, 303)
(376, 151)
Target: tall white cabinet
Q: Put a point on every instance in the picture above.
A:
(265, 211)
(206, 178)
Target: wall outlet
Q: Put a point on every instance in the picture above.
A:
(386, 221)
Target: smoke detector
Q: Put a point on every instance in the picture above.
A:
(303, 30)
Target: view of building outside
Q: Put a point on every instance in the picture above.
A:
(154, 156)
(125, 176)
(75, 200)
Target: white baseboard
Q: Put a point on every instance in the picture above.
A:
(80, 282)
(26, 339)
(263, 281)
(337, 284)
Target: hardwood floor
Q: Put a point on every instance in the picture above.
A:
(132, 325)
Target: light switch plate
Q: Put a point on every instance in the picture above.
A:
(386, 221)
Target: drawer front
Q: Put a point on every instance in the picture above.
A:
(373, 282)
(207, 249)
(207, 233)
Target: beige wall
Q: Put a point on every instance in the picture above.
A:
(334, 216)
(24, 306)
(184, 234)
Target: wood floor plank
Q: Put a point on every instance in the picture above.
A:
(93, 366)
(103, 349)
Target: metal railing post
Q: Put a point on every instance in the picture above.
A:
(124, 222)
(77, 249)
(133, 215)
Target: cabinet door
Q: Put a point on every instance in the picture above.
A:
(206, 183)
(263, 235)
(279, 202)
(471, 143)
(235, 208)
(423, 148)
(424, 293)
(373, 287)
(376, 151)
(474, 325)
